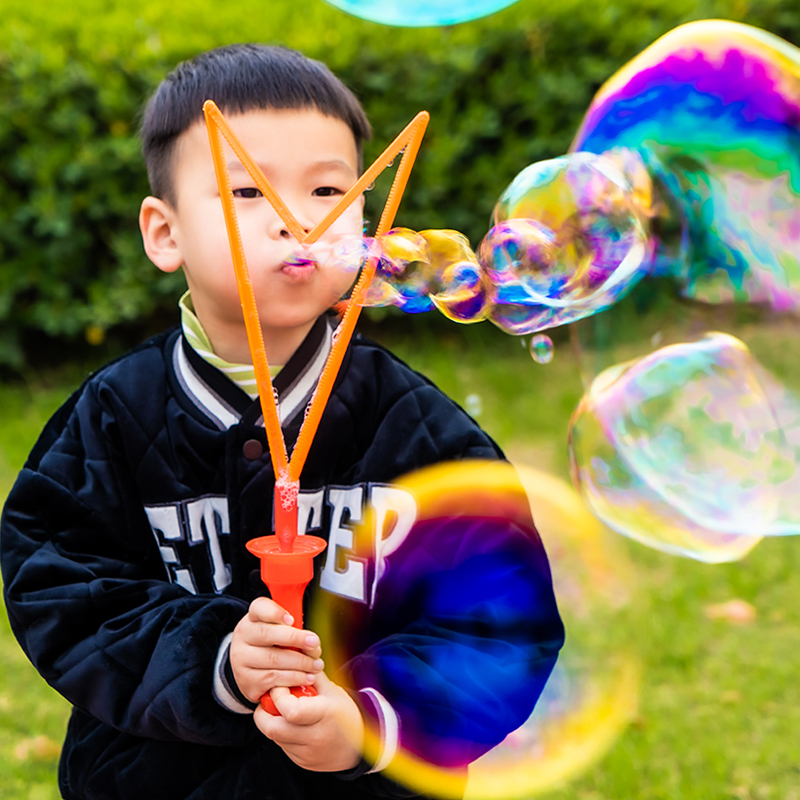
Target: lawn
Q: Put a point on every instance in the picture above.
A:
(720, 702)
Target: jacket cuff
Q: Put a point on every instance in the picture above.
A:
(225, 690)
(377, 709)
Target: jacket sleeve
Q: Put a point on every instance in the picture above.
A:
(86, 595)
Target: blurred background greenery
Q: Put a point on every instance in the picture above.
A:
(720, 707)
(503, 92)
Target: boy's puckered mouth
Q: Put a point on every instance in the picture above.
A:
(299, 267)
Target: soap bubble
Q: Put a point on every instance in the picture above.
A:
(593, 692)
(462, 295)
(541, 348)
(473, 405)
(428, 573)
(420, 13)
(346, 253)
(711, 110)
(418, 271)
(404, 276)
(686, 450)
(569, 240)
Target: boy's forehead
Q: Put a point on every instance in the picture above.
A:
(303, 134)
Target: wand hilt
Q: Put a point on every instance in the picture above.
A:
(286, 575)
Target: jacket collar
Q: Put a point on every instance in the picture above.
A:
(225, 404)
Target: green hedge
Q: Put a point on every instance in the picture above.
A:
(503, 92)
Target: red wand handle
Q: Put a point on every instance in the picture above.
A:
(287, 574)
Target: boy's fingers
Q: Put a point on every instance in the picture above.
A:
(266, 635)
(264, 609)
(264, 626)
(275, 728)
(264, 680)
(279, 729)
(314, 652)
(297, 711)
(323, 684)
(281, 658)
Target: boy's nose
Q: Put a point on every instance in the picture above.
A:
(285, 233)
(278, 229)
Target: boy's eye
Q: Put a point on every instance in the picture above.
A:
(326, 191)
(249, 192)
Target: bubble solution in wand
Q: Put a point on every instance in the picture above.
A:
(287, 562)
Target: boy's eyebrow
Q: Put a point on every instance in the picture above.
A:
(318, 166)
(333, 163)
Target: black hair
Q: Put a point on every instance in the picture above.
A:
(239, 78)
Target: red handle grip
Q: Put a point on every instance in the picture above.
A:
(287, 574)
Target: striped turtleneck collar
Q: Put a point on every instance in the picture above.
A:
(226, 393)
(243, 375)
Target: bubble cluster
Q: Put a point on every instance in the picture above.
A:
(512, 751)
(420, 13)
(586, 247)
(693, 449)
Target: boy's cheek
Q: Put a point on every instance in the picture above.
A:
(350, 222)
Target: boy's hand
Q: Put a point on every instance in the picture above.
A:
(259, 656)
(323, 733)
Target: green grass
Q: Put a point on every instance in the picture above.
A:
(32, 716)
(720, 703)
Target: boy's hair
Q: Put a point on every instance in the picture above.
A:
(239, 78)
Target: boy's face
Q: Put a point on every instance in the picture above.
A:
(311, 161)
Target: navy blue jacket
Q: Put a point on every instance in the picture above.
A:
(125, 570)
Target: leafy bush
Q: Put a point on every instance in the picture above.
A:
(503, 92)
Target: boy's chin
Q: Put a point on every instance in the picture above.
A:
(287, 322)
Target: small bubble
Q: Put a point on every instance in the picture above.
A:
(541, 348)
(473, 405)
(656, 339)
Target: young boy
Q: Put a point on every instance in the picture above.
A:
(126, 577)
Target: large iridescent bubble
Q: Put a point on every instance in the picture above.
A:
(692, 450)
(681, 449)
(420, 13)
(569, 239)
(442, 546)
(713, 110)
(421, 572)
(593, 692)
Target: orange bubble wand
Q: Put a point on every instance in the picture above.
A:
(287, 571)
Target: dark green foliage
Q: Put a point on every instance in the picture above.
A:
(503, 92)
(72, 180)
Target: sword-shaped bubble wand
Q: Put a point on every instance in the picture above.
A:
(286, 561)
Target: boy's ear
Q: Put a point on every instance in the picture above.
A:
(156, 221)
